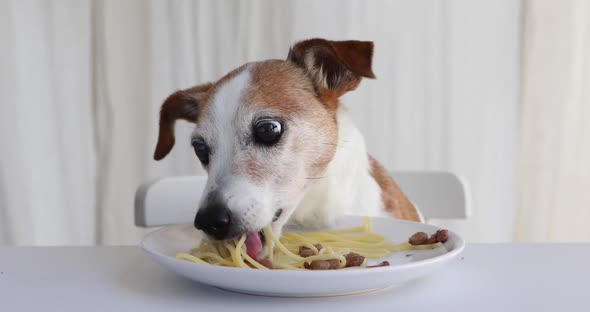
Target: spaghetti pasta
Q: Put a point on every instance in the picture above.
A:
(349, 247)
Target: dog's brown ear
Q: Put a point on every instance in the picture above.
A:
(181, 104)
(334, 66)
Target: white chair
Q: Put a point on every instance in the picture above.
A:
(439, 195)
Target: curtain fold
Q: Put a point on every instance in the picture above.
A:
(47, 164)
(554, 201)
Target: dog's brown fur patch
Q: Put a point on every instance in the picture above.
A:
(355, 55)
(393, 198)
(335, 67)
(281, 86)
(284, 88)
(183, 104)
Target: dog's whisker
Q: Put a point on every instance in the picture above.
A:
(314, 178)
(335, 144)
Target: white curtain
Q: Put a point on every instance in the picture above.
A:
(47, 159)
(82, 82)
(555, 154)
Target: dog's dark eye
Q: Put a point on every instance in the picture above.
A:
(201, 150)
(268, 131)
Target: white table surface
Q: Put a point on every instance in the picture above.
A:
(496, 277)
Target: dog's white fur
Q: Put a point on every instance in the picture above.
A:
(347, 186)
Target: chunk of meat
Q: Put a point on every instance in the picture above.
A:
(307, 252)
(420, 238)
(334, 264)
(354, 259)
(266, 263)
(331, 264)
(317, 265)
(440, 236)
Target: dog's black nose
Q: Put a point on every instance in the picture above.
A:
(214, 219)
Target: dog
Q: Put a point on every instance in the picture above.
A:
(279, 148)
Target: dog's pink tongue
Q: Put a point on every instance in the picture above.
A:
(253, 245)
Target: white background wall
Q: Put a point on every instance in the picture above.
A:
(446, 98)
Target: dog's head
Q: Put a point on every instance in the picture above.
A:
(264, 132)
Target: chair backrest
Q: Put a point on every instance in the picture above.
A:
(439, 195)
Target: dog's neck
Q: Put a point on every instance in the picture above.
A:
(347, 186)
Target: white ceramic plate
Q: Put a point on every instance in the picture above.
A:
(163, 244)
